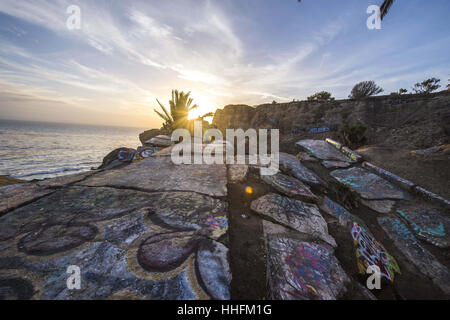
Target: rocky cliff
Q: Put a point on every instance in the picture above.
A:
(395, 128)
(413, 120)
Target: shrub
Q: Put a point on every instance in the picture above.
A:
(321, 96)
(399, 93)
(365, 89)
(427, 86)
(353, 136)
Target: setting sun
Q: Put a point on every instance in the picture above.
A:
(205, 105)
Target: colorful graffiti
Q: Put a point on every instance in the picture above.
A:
(368, 185)
(428, 224)
(389, 176)
(218, 222)
(303, 270)
(340, 213)
(370, 252)
(351, 154)
(125, 155)
(145, 152)
(322, 150)
(319, 130)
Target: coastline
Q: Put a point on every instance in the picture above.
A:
(6, 181)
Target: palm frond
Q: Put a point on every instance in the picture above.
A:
(206, 115)
(163, 108)
(166, 119)
(385, 7)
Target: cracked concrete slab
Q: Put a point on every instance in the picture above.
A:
(323, 150)
(407, 243)
(298, 270)
(161, 174)
(127, 244)
(291, 165)
(13, 196)
(368, 185)
(294, 214)
(290, 186)
(428, 224)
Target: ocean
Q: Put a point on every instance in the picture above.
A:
(39, 150)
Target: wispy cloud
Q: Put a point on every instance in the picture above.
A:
(127, 54)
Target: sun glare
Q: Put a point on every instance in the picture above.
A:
(205, 105)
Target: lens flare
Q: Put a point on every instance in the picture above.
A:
(249, 190)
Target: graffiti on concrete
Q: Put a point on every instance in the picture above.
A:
(295, 214)
(370, 252)
(289, 186)
(367, 249)
(389, 176)
(405, 241)
(128, 244)
(430, 225)
(335, 164)
(425, 152)
(323, 150)
(124, 155)
(339, 212)
(292, 165)
(303, 270)
(432, 196)
(336, 144)
(368, 185)
(145, 152)
(351, 154)
(319, 130)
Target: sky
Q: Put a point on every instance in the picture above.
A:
(126, 54)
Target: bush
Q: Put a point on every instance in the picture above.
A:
(321, 96)
(365, 89)
(399, 93)
(353, 136)
(427, 86)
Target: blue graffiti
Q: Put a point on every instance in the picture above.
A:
(319, 130)
(439, 231)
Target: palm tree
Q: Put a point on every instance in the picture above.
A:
(180, 106)
(385, 7)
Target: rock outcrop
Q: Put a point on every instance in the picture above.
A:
(148, 134)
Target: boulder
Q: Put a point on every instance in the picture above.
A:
(159, 141)
(117, 158)
(233, 116)
(147, 135)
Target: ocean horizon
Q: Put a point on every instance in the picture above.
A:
(32, 150)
